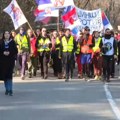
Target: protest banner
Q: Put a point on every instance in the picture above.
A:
(92, 19)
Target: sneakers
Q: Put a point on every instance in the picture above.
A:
(22, 77)
(10, 93)
(80, 76)
(34, 73)
(99, 78)
(106, 79)
(66, 80)
(59, 76)
(96, 77)
(46, 76)
(6, 92)
(30, 75)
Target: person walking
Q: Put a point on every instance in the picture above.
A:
(97, 56)
(86, 52)
(32, 62)
(109, 50)
(68, 48)
(43, 45)
(23, 46)
(8, 52)
(78, 56)
(57, 63)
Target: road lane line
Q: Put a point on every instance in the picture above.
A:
(112, 102)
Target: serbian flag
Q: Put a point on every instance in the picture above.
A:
(47, 12)
(69, 14)
(16, 14)
(54, 3)
(40, 2)
(44, 10)
(71, 20)
(106, 22)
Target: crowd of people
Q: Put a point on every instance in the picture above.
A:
(94, 54)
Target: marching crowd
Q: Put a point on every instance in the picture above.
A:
(95, 54)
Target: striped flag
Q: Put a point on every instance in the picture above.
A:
(44, 10)
(106, 22)
(70, 19)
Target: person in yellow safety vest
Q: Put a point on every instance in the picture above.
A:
(43, 45)
(97, 57)
(23, 46)
(55, 54)
(68, 48)
(78, 56)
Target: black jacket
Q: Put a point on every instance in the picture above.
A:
(7, 62)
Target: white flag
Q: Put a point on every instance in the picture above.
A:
(47, 13)
(16, 14)
(54, 3)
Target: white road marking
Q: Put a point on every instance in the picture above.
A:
(112, 102)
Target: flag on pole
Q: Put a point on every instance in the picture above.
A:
(44, 10)
(54, 3)
(106, 22)
(48, 12)
(71, 21)
(16, 14)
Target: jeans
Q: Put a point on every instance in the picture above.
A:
(32, 65)
(23, 61)
(107, 66)
(44, 60)
(79, 65)
(57, 63)
(68, 59)
(8, 85)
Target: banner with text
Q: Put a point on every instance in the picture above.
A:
(92, 19)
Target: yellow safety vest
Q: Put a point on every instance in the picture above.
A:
(43, 47)
(78, 49)
(68, 46)
(22, 41)
(97, 43)
(57, 43)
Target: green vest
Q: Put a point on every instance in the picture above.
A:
(57, 43)
(78, 49)
(22, 41)
(44, 46)
(97, 43)
(68, 46)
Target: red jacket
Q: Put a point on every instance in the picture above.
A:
(33, 49)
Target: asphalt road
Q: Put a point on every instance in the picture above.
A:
(52, 99)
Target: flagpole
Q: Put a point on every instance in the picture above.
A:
(31, 28)
(58, 21)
